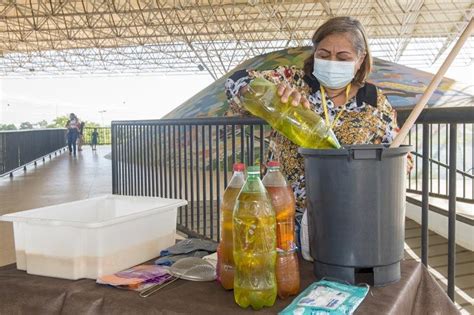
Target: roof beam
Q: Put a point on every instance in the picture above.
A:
(327, 7)
(408, 26)
(450, 39)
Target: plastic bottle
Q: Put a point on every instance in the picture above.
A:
(302, 126)
(254, 245)
(284, 205)
(225, 253)
(287, 273)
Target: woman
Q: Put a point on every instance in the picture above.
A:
(333, 84)
(72, 126)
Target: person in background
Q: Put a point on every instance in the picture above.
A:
(95, 136)
(81, 135)
(72, 125)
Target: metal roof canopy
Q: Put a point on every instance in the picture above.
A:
(48, 37)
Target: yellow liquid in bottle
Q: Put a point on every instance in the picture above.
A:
(254, 251)
(226, 261)
(302, 126)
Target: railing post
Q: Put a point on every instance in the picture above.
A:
(114, 160)
(425, 194)
(452, 210)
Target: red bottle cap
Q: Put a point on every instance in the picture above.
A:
(239, 167)
(273, 164)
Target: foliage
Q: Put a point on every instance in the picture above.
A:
(59, 122)
(7, 127)
(26, 125)
(42, 124)
(91, 124)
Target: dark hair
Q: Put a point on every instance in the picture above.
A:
(344, 24)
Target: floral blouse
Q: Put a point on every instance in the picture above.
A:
(360, 122)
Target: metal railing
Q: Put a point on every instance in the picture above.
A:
(192, 159)
(187, 158)
(105, 135)
(452, 118)
(438, 132)
(18, 148)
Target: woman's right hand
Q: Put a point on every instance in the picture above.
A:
(285, 92)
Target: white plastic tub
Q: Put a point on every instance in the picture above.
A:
(93, 237)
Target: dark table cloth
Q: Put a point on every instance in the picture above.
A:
(20, 293)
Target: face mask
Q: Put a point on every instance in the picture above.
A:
(333, 74)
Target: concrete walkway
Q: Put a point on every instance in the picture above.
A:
(63, 178)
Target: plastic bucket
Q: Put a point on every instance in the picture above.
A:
(356, 212)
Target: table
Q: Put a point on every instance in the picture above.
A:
(416, 293)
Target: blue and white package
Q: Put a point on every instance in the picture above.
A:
(327, 297)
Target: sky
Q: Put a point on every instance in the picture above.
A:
(106, 98)
(122, 98)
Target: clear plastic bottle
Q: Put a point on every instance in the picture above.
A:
(302, 126)
(287, 273)
(254, 245)
(225, 253)
(284, 205)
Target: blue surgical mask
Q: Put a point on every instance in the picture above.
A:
(333, 74)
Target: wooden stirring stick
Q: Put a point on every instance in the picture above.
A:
(432, 86)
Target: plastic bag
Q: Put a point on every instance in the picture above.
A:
(137, 278)
(327, 297)
(304, 238)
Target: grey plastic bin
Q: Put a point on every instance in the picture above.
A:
(356, 212)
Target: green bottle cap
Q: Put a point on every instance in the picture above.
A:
(255, 169)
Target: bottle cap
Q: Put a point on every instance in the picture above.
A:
(254, 169)
(239, 167)
(273, 164)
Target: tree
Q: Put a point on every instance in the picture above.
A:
(26, 125)
(42, 124)
(59, 122)
(91, 124)
(7, 127)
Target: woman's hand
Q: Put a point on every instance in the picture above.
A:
(285, 92)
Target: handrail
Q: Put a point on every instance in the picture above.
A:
(440, 115)
(21, 147)
(443, 165)
(206, 121)
(31, 130)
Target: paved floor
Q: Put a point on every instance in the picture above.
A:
(63, 178)
(438, 263)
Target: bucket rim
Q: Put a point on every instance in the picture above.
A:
(346, 150)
